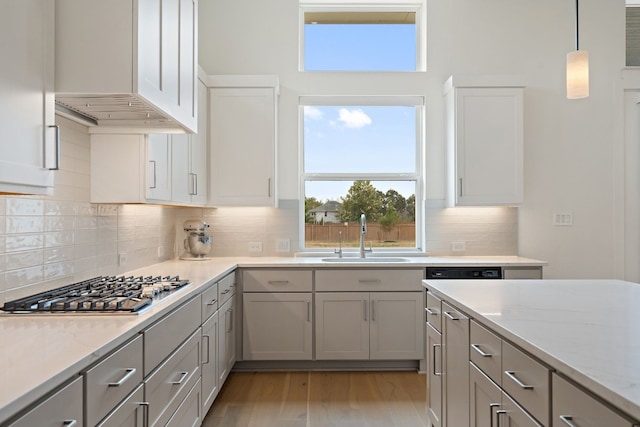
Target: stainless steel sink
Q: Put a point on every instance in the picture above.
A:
(367, 260)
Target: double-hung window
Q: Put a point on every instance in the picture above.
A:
(362, 155)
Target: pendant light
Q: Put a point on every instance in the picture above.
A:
(577, 69)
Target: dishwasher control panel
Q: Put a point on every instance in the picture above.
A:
(464, 273)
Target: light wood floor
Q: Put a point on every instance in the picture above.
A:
(320, 399)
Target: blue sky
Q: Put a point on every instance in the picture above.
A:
(352, 138)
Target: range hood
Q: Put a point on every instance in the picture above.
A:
(120, 110)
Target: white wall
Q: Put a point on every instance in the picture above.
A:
(574, 150)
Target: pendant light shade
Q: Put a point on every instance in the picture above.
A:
(577, 74)
(577, 68)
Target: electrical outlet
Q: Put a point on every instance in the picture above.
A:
(255, 246)
(563, 218)
(459, 246)
(283, 245)
(122, 258)
(160, 251)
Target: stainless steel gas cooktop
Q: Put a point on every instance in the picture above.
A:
(102, 294)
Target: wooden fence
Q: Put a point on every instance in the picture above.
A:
(351, 232)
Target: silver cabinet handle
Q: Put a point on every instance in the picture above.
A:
(58, 142)
(477, 348)
(269, 187)
(212, 302)
(512, 375)
(431, 311)
(373, 311)
(460, 187)
(183, 375)
(226, 291)
(69, 423)
(491, 406)
(128, 374)
(308, 311)
(368, 281)
(207, 348)
(451, 316)
(498, 413)
(568, 420)
(145, 413)
(364, 301)
(154, 174)
(229, 320)
(278, 282)
(435, 370)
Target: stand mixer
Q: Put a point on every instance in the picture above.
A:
(197, 244)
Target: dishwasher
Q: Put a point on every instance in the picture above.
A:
(464, 273)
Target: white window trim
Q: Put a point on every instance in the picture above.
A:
(417, 6)
(418, 176)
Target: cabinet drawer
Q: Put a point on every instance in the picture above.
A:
(277, 280)
(369, 280)
(111, 380)
(527, 381)
(166, 335)
(486, 351)
(63, 406)
(209, 300)
(168, 386)
(188, 413)
(434, 311)
(226, 288)
(574, 405)
(129, 413)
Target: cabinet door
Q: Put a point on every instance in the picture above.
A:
(434, 376)
(342, 325)
(515, 416)
(226, 340)
(181, 180)
(209, 362)
(242, 127)
(455, 338)
(485, 399)
(397, 325)
(277, 326)
(487, 146)
(159, 167)
(28, 146)
(573, 407)
(199, 152)
(129, 413)
(61, 409)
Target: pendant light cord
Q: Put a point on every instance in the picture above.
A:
(577, 27)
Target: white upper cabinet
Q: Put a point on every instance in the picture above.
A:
(189, 159)
(29, 143)
(128, 62)
(484, 128)
(130, 168)
(243, 140)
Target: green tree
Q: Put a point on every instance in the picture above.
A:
(310, 203)
(409, 213)
(389, 219)
(394, 199)
(362, 198)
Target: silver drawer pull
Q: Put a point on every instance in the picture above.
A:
(212, 302)
(431, 311)
(451, 316)
(435, 370)
(278, 282)
(513, 377)
(368, 281)
(568, 420)
(226, 291)
(69, 423)
(128, 374)
(183, 375)
(477, 348)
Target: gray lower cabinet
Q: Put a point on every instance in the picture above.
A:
(490, 406)
(574, 407)
(209, 380)
(226, 339)
(63, 408)
(434, 376)
(455, 342)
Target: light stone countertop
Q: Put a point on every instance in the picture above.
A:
(39, 352)
(589, 330)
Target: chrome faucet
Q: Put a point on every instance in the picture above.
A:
(363, 231)
(339, 251)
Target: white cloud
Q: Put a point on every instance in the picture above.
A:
(354, 118)
(312, 113)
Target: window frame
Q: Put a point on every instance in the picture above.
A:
(418, 7)
(418, 175)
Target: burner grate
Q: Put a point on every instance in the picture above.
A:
(99, 294)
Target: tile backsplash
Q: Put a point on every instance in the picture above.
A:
(49, 241)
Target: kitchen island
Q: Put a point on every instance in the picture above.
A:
(584, 331)
(40, 352)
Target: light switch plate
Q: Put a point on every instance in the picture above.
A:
(283, 245)
(255, 246)
(459, 246)
(563, 218)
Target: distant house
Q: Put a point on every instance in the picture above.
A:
(326, 213)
